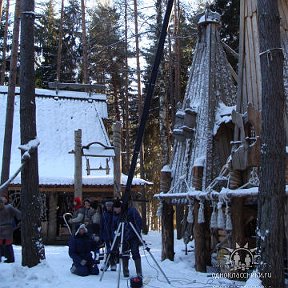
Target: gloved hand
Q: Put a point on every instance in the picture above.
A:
(83, 262)
(70, 221)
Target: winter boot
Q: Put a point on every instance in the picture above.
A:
(9, 254)
(104, 267)
(113, 263)
(138, 267)
(125, 262)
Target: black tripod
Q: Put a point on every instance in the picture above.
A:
(120, 233)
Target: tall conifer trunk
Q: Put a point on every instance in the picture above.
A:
(3, 67)
(32, 247)
(140, 104)
(126, 97)
(168, 212)
(10, 100)
(84, 43)
(60, 42)
(272, 180)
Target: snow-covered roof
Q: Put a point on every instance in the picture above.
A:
(58, 116)
(223, 115)
(210, 96)
(209, 16)
(103, 180)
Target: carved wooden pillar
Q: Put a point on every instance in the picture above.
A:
(52, 217)
(167, 220)
(201, 230)
(117, 159)
(78, 164)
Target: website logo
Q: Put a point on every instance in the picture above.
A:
(241, 258)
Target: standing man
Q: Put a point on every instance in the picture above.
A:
(130, 239)
(7, 224)
(107, 234)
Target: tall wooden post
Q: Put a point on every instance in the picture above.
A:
(52, 217)
(78, 164)
(117, 159)
(200, 230)
(167, 219)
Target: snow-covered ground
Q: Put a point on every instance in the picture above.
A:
(54, 271)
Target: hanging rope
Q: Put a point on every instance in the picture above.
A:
(160, 209)
(220, 216)
(213, 220)
(228, 224)
(190, 217)
(254, 179)
(201, 218)
(269, 54)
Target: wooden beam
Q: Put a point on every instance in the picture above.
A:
(78, 164)
(76, 86)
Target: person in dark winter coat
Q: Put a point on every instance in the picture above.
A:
(82, 214)
(7, 225)
(130, 239)
(80, 247)
(94, 227)
(107, 235)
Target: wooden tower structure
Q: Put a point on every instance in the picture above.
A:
(214, 171)
(203, 129)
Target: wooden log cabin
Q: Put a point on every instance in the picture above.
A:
(62, 114)
(214, 173)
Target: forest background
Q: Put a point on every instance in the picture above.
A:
(115, 44)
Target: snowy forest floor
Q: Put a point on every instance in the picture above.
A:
(54, 271)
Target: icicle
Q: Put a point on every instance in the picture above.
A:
(190, 218)
(228, 218)
(220, 216)
(201, 218)
(213, 220)
(160, 209)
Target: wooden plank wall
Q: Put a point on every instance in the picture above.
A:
(249, 90)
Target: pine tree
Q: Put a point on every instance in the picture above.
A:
(46, 39)
(6, 156)
(164, 102)
(71, 50)
(32, 247)
(5, 42)
(107, 54)
(229, 30)
(271, 198)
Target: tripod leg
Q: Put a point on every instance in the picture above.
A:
(120, 252)
(112, 248)
(148, 250)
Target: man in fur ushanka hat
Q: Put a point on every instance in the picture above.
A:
(80, 247)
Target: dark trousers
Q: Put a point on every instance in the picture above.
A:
(133, 246)
(85, 270)
(6, 250)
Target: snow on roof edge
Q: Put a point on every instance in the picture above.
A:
(66, 94)
(86, 180)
